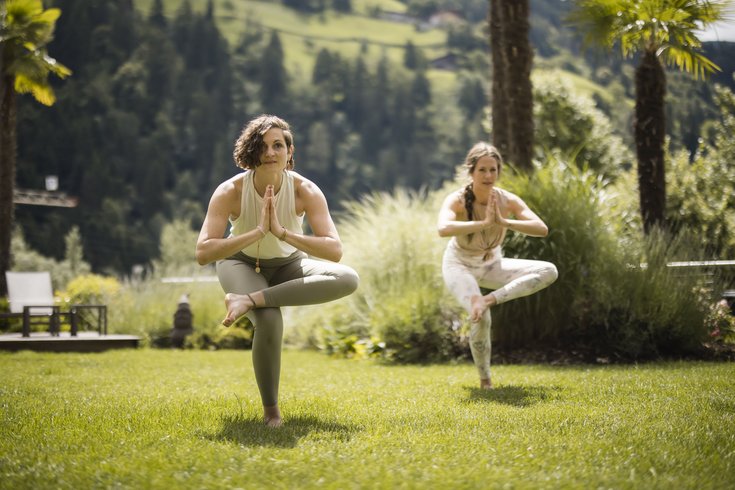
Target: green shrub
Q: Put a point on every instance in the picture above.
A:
(701, 196)
(91, 289)
(603, 298)
(62, 272)
(571, 124)
(235, 337)
(415, 328)
(570, 200)
(643, 308)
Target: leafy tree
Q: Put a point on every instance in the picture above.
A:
(571, 123)
(472, 98)
(655, 31)
(157, 16)
(25, 30)
(342, 5)
(702, 195)
(413, 58)
(273, 75)
(177, 244)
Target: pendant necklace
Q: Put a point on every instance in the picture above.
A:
(257, 258)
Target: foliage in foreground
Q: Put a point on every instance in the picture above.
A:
(193, 420)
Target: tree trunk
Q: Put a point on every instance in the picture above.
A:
(500, 124)
(649, 127)
(8, 144)
(519, 58)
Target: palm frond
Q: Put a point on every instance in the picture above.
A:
(41, 92)
(667, 27)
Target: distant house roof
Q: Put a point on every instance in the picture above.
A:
(398, 17)
(448, 62)
(445, 18)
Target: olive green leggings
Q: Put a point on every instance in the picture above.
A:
(289, 281)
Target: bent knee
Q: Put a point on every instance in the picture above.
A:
(550, 273)
(349, 280)
(270, 317)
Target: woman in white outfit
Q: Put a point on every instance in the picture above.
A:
(476, 217)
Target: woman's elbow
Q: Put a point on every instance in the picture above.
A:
(543, 230)
(201, 257)
(337, 253)
(442, 230)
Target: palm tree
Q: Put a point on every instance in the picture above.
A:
(657, 31)
(512, 92)
(25, 30)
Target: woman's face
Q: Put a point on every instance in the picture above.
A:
(275, 153)
(485, 173)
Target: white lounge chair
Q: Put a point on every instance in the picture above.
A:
(31, 298)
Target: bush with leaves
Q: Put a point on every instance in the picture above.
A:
(570, 124)
(701, 194)
(603, 297)
(25, 259)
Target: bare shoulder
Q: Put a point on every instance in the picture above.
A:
(455, 199)
(228, 194)
(455, 202)
(305, 188)
(508, 197)
(512, 202)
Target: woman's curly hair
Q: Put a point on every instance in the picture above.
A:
(249, 146)
(478, 151)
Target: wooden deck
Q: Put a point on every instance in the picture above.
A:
(83, 342)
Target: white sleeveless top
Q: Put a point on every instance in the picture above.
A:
(251, 208)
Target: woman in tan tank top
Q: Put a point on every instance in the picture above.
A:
(476, 218)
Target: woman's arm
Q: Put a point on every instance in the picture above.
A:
(325, 242)
(526, 222)
(211, 244)
(449, 224)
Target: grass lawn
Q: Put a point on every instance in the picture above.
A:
(192, 419)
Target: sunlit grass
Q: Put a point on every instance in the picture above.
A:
(191, 419)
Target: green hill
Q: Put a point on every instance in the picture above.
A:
(303, 35)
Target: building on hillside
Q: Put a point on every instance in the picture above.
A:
(448, 62)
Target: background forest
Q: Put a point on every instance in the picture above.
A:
(143, 130)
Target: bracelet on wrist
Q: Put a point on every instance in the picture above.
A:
(283, 235)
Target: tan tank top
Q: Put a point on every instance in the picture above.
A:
(250, 209)
(486, 241)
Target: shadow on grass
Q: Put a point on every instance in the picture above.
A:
(253, 432)
(517, 396)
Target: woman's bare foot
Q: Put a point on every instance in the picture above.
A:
(272, 416)
(486, 384)
(479, 304)
(237, 305)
